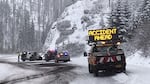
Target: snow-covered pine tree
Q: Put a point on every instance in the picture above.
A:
(142, 31)
(126, 18)
(115, 16)
(120, 17)
(144, 11)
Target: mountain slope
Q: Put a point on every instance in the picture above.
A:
(70, 29)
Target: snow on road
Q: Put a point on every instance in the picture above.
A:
(9, 57)
(10, 71)
(85, 77)
(38, 72)
(137, 73)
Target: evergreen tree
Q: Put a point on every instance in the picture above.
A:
(127, 20)
(142, 31)
(115, 17)
(120, 18)
(1, 36)
(127, 15)
(146, 11)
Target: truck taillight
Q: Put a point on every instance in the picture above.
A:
(94, 60)
(58, 55)
(61, 53)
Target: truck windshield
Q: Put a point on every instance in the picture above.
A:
(105, 49)
(100, 49)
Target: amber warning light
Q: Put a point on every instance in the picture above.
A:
(102, 34)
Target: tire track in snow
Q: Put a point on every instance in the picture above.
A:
(57, 71)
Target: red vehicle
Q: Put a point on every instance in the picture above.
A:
(50, 55)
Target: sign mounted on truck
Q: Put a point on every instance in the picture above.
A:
(102, 34)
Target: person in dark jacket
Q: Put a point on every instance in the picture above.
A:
(24, 56)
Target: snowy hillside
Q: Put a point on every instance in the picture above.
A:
(75, 14)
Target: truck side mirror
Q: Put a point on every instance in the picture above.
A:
(85, 54)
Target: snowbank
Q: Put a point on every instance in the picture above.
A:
(9, 71)
(7, 57)
(137, 59)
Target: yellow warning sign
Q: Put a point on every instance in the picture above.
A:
(102, 34)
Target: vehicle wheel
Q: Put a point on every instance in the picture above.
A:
(56, 61)
(40, 58)
(65, 61)
(95, 72)
(23, 60)
(123, 69)
(31, 59)
(90, 68)
(46, 60)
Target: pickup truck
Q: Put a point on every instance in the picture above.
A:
(106, 58)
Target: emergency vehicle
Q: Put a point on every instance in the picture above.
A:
(105, 53)
(62, 56)
(50, 55)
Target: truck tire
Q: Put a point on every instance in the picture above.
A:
(40, 58)
(90, 68)
(95, 72)
(56, 61)
(46, 60)
(123, 69)
(31, 59)
(65, 61)
(23, 60)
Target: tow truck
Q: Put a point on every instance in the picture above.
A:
(105, 53)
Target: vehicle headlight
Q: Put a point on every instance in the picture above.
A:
(118, 43)
(103, 42)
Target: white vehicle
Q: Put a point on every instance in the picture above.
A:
(30, 56)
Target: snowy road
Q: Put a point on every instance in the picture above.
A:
(135, 74)
(74, 72)
(38, 72)
(45, 72)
